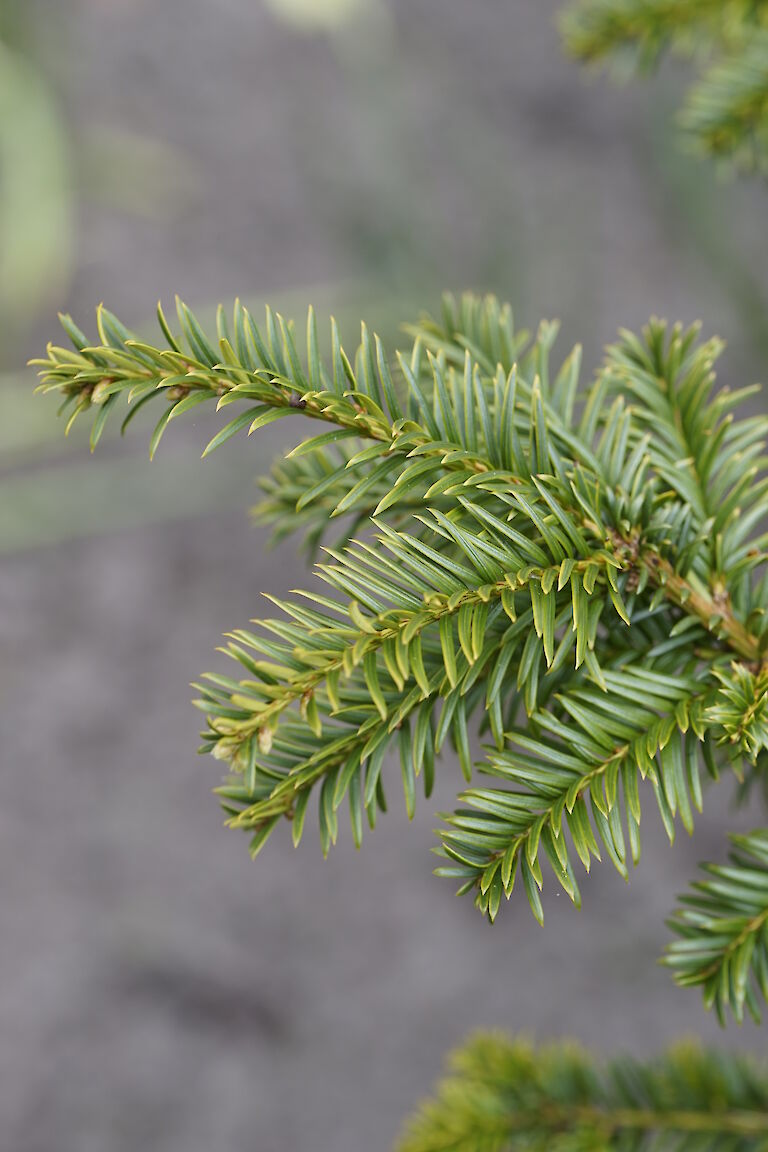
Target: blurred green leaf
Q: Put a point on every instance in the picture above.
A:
(320, 14)
(35, 189)
(136, 173)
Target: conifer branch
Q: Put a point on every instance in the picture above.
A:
(502, 1095)
(595, 29)
(578, 574)
(576, 771)
(726, 111)
(723, 931)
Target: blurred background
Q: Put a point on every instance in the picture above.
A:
(157, 990)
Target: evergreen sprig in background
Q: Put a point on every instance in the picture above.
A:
(576, 573)
(726, 111)
(505, 1095)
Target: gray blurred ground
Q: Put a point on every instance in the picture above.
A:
(157, 990)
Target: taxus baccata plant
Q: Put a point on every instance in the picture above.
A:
(576, 573)
(502, 1096)
(725, 113)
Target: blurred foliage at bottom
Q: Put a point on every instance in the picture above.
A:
(503, 1094)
